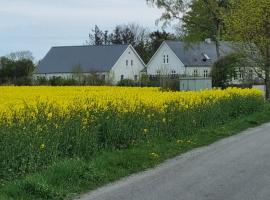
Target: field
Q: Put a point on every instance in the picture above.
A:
(40, 126)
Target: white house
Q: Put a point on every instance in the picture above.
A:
(112, 62)
(181, 58)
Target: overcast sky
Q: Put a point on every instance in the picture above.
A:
(36, 25)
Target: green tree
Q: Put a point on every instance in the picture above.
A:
(97, 37)
(202, 18)
(173, 9)
(205, 20)
(157, 37)
(18, 71)
(248, 22)
(225, 69)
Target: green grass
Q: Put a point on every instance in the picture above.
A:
(69, 177)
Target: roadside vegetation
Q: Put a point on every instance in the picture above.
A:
(60, 141)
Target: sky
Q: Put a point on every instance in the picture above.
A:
(37, 25)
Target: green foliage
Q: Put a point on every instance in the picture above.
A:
(144, 43)
(34, 145)
(225, 69)
(198, 22)
(68, 177)
(16, 72)
(127, 82)
(78, 80)
(249, 22)
(172, 9)
(204, 20)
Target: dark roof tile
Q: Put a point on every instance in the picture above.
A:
(90, 58)
(192, 54)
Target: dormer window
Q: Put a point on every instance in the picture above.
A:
(205, 57)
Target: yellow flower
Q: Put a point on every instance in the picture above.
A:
(42, 146)
(154, 155)
(164, 120)
(145, 131)
(49, 115)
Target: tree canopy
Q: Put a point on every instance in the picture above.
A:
(248, 21)
(226, 69)
(16, 69)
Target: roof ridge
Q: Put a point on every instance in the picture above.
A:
(106, 45)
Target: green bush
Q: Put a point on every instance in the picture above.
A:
(127, 82)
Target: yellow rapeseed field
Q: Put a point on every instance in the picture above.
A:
(66, 99)
(42, 125)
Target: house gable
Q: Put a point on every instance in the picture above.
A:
(128, 66)
(165, 62)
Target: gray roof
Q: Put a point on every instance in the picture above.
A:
(90, 58)
(192, 54)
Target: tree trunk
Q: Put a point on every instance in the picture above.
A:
(267, 73)
(218, 38)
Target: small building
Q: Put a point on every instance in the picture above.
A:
(195, 83)
(111, 62)
(186, 59)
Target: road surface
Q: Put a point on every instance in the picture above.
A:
(236, 168)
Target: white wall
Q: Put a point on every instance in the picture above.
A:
(200, 70)
(127, 71)
(66, 75)
(157, 62)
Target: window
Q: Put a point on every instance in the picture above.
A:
(103, 77)
(173, 73)
(195, 73)
(241, 74)
(250, 74)
(126, 62)
(136, 77)
(122, 77)
(131, 62)
(205, 73)
(167, 58)
(235, 76)
(164, 59)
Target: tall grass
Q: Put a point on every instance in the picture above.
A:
(32, 145)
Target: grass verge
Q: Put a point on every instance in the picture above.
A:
(67, 178)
